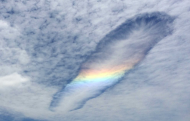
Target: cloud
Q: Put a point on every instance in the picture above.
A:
(12, 80)
(47, 42)
(115, 55)
(12, 56)
(21, 96)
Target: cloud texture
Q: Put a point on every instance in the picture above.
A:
(45, 46)
(116, 54)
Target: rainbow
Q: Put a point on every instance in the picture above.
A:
(116, 54)
(92, 77)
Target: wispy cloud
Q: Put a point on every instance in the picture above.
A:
(115, 55)
(45, 44)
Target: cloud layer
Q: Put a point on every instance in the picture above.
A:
(45, 44)
(115, 55)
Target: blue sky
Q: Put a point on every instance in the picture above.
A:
(45, 44)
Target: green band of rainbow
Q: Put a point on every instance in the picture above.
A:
(99, 76)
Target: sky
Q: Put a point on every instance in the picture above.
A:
(97, 60)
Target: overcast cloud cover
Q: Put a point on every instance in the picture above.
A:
(45, 44)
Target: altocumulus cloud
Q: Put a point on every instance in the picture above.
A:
(46, 45)
(115, 55)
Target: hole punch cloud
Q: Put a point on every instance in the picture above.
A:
(116, 54)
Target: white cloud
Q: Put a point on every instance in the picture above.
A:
(157, 90)
(118, 52)
(12, 57)
(3, 24)
(12, 80)
(20, 96)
